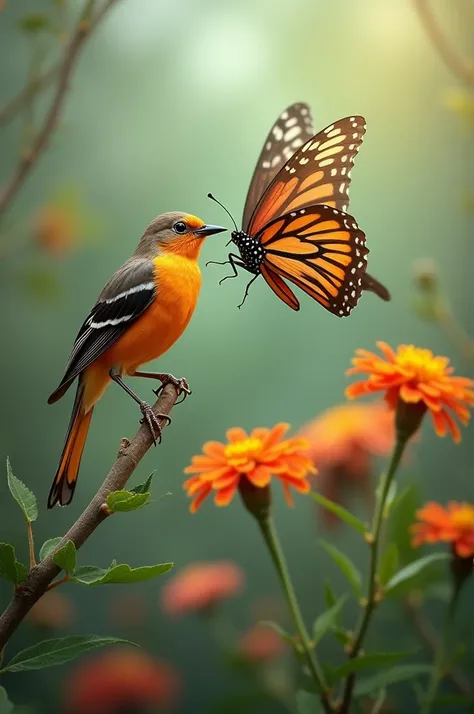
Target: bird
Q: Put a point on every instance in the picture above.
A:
(295, 224)
(142, 311)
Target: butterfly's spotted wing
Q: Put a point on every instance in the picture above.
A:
(320, 250)
(318, 173)
(291, 130)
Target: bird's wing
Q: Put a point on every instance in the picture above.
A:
(126, 295)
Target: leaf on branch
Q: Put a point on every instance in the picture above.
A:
(10, 568)
(6, 707)
(339, 511)
(328, 620)
(391, 499)
(401, 518)
(329, 595)
(49, 546)
(31, 24)
(51, 653)
(406, 577)
(22, 495)
(399, 673)
(66, 557)
(307, 703)
(122, 501)
(370, 661)
(144, 487)
(91, 575)
(346, 566)
(389, 563)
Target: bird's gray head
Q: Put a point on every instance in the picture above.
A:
(179, 233)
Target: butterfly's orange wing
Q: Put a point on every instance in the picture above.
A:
(279, 287)
(318, 173)
(320, 250)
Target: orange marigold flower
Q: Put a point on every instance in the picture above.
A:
(261, 644)
(56, 230)
(343, 441)
(254, 459)
(453, 524)
(199, 586)
(416, 377)
(121, 680)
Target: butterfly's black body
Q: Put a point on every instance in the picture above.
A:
(250, 249)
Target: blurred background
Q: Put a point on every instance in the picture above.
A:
(171, 100)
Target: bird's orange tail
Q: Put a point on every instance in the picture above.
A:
(64, 482)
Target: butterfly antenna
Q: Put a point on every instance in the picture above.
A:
(213, 198)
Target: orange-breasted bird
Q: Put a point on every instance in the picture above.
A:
(141, 312)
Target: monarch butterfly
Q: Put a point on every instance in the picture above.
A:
(295, 224)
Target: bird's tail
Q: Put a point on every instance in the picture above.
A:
(64, 482)
(370, 283)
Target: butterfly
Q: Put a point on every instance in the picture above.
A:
(295, 225)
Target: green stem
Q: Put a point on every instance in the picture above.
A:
(374, 541)
(270, 536)
(437, 673)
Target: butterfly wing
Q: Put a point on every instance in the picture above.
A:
(318, 173)
(291, 130)
(320, 250)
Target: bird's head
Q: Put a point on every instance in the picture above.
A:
(179, 233)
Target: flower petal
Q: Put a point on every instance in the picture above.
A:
(236, 434)
(225, 495)
(202, 495)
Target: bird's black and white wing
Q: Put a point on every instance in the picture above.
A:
(291, 130)
(125, 297)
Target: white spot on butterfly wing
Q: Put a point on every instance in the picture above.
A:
(292, 133)
(277, 133)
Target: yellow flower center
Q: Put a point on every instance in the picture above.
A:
(247, 449)
(422, 363)
(463, 518)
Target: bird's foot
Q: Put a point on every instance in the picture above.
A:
(181, 385)
(152, 420)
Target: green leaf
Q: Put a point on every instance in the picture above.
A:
(389, 563)
(34, 23)
(346, 566)
(402, 517)
(328, 620)
(10, 568)
(6, 707)
(49, 546)
(51, 653)
(22, 495)
(390, 500)
(370, 661)
(307, 703)
(280, 631)
(90, 575)
(399, 673)
(339, 511)
(121, 501)
(407, 575)
(66, 557)
(329, 595)
(144, 487)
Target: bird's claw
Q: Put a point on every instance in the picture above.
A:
(152, 420)
(181, 385)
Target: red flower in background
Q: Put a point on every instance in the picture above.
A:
(200, 586)
(54, 611)
(261, 644)
(121, 678)
(343, 441)
(453, 524)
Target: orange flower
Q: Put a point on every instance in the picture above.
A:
(454, 524)
(200, 586)
(119, 680)
(250, 459)
(261, 644)
(343, 441)
(415, 377)
(56, 230)
(53, 611)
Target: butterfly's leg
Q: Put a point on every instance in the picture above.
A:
(234, 260)
(247, 289)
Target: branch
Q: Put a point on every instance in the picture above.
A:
(461, 67)
(25, 95)
(31, 156)
(129, 456)
(428, 638)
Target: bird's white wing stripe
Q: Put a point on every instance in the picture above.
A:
(131, 291)
(112, 323)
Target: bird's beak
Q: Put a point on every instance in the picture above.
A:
(208, 231)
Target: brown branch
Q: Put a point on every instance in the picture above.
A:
(25, 95)
(30, 156)
(427, 637)
(461, 67)
(129, 456)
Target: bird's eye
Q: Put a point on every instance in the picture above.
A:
(180, 227)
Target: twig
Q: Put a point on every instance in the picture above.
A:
(31, 545)
(61, 581)
(455, 62)
(429, 640)
(129, 456)
(30, 157)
